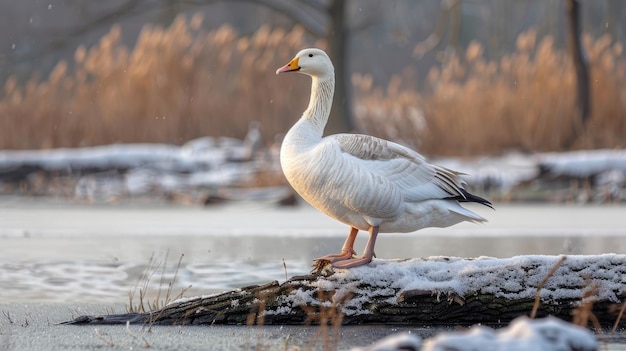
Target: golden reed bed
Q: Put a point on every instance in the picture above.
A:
(181, 82)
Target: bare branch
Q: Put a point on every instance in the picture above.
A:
(112, 16)
(316, 26)
(312, 19)
(319, 5)
(434, 39)
(62, 37)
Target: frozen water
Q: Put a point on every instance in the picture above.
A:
(52, 251)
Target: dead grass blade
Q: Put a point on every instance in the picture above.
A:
(137, 337)
(541, 285)
(106, 337)
(583, 314)
(327, 313)
(619, 318)
(144, 281)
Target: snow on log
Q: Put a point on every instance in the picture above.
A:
(432, 291)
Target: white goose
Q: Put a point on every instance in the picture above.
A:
(365, 182)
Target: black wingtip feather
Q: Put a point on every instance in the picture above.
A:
(467, 197)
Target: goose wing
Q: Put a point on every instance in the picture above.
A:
(416, 179)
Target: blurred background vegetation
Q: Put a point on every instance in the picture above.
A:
(446, 77)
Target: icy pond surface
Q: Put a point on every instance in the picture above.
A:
(60, 259)
(59, 252)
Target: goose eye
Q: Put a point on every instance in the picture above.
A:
(310, 55)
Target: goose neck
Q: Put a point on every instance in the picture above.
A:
(318, 111)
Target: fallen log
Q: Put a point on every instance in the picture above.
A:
(429, 291)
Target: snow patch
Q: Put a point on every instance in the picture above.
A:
(523, 334)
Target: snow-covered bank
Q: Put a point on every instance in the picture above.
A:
(583, 176)
(110, 172)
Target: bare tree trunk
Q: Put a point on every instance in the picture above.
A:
(581, 65)
(338, 38)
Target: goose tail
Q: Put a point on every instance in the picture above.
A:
(468, 197)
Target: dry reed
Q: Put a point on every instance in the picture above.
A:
(523, 101)
(176, 84)
(180, 83)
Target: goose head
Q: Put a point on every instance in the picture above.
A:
(312, 62)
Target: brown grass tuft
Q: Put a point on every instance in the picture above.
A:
(143, 285)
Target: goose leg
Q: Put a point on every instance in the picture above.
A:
(367, 254)
(346, 251)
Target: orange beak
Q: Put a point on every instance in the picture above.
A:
(290, 67)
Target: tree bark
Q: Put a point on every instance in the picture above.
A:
(338, 40)
(581, 65)
(345, 298)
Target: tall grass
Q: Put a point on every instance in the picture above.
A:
(179, 83)
(176, 84)
(523, 101)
